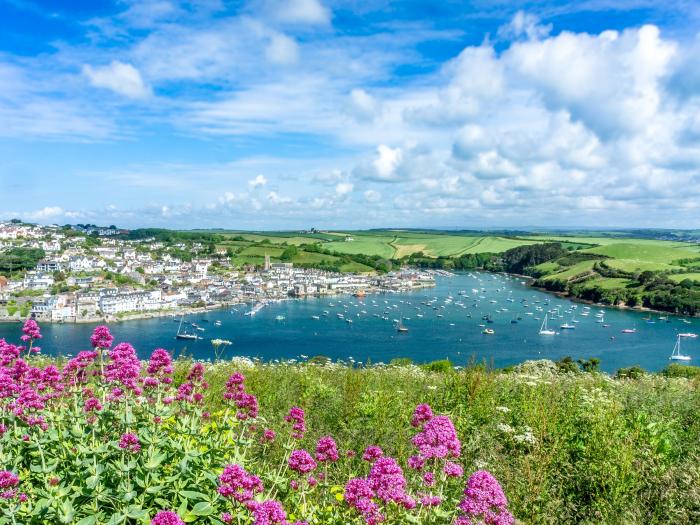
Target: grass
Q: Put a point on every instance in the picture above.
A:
(605, 451)
(639, 256)
(678, 277)
(572, 271)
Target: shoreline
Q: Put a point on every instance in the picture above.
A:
(176, 312)
(111, 319)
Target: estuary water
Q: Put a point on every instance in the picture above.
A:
(444, 322)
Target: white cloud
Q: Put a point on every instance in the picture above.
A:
(123, 79)
(344, 188)
(282, 50)
(300, 11)
(525, 24)
(257, 182)
(364, 105)
(386, 161)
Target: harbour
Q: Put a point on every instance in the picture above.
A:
(467, 318)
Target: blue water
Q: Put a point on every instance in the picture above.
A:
(453, 336)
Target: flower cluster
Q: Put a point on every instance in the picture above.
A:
(386, 483)
(8, 484)
(160, 368)
(101, 338)
(30, 333)
(237, 484)
(191, 390)
(437, 440)
(326, 450)
(167, 517)
(301, 461)
(246, 403)
(296, 418)
(130, 442)
(124, 367)
(484, 502)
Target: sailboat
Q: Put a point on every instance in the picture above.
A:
(184, 335)
(569, 326)
(676, 355)
(544, 330)
(400, 326)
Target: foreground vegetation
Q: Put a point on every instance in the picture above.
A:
(105, 438)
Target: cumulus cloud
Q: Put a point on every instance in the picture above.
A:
(257, 182)
(386, 161)
(124, 79)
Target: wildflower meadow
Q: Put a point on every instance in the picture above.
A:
(106, 438)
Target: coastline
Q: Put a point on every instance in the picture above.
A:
(137, 316)
(176, 312)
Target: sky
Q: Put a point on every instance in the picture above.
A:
(292, 114)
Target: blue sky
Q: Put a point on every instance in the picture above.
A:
(350, 114)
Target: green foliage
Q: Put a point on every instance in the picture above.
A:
(19, 259)
(441, 366)
(678, 370)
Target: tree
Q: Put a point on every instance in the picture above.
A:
(289, 253)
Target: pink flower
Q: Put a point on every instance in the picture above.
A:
(422, 413)
(269, 435)
(226, 517)
(268, 512)
(484, 500)
(92, 405)
(326, 450)
(359, 495)
(438, 439)
(238, 484)
(388, 483)
(130, 442)
(160, 366)
(301, 461)
(453, 470)
(8, 480)
(31, 331)
(296, 418)
(124, 367)
(101, 337)
(167, 517)
(8, 484)
(372, 452)
(428, 479)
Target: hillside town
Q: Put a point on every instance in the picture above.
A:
(90, 274)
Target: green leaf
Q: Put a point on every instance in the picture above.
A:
(88, 520)
(203, 508)
(193, 495)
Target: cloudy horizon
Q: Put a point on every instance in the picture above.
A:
(343, 114)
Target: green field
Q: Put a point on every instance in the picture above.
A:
(641, 256)
(679, 277)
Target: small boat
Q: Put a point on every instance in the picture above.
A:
(185, 335)
(544, 330)
(488, 331)
(688, 334)
(316, 317)
(629, 331)
(676, 354)
(280, 318)
(217, 323)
